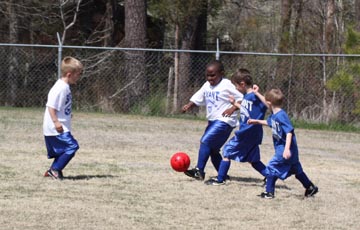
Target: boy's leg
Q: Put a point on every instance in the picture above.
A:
(260, 167)
(223, 170)
(304, 180)
(310, 188)
(214, 137)
(216, 158)
(63, 147)
(269, 188)
(270, 184)
(203, 157)
(60, 162)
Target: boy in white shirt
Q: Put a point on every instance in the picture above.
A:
(60, 144)
(221, 115)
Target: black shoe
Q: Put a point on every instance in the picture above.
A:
(54, 174)
(227, 178)
(195, 173)
(311, 191)
(267, 195)
(214, 181)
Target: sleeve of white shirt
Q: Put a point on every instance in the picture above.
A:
(198, 98)
(55, 100)
(233, 91)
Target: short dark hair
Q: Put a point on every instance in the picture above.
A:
(218, 64)
(242, 75)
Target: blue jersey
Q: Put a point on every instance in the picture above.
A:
(281, 126)
(244, 146)
(251, 107)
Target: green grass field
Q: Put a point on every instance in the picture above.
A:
(121, 179)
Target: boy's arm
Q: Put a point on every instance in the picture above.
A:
(257, 122)
(233, 102)
(287, 153)
(235, 106)
(228, 112)
(188, 106)
(54, 118)
(259, 95)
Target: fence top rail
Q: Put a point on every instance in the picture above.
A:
(179, 50)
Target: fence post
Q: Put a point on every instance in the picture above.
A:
(217, 50)
(59, 55)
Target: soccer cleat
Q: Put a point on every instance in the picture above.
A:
(195, 173)
(46, 174)
(311, 191)
(54, 174)
(267, 195)
(214, 181)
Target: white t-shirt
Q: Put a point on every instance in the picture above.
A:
(216, 100)
(59, 98)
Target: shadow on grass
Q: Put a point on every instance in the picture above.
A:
(87, 177)
(258, 181)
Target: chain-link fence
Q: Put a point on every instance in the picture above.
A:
(318, 88)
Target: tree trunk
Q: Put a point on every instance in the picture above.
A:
(13, 55)
(109, 24)
(199, 64)
(285, 46)
(188, 41)
(286, 10)
(330, 27)
(135, 37)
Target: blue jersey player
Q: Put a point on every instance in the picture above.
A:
(244, 146)
(221, 115)
(285, 162)
(60, 144)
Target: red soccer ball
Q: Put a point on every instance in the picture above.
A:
(180, 162)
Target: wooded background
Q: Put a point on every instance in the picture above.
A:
(319, 88)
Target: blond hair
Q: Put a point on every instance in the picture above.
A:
(275, 96)
(70, 65)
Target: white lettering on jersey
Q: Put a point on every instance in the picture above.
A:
(275, 129)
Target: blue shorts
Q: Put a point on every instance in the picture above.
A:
(216, 134)
(60, 144)
(241, 150)
(283, 169)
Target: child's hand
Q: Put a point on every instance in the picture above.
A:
(251, 121)
(58, 127)
(287, 154)
(186, 107)
(228, 112)
(232, 99)
(256, 88)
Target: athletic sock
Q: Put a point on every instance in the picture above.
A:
(270, 184)
(260, 167)
(223, 170)
(216, 158)
(304, 180)
(203, 157)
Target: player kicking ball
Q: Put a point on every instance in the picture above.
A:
(244, 146)
(220, 113)
(285, 162)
